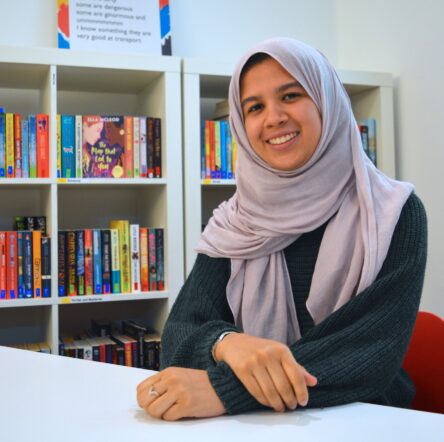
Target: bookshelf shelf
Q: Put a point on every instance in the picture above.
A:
(55, 82)
(206, 82)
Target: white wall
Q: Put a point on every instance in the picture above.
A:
(406, 38)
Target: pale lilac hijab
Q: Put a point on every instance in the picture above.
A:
(271, 209)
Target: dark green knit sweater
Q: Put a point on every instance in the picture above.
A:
(356, 353)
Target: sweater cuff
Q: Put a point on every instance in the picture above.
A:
(231, 391)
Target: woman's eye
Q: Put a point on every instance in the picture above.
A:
(254, 108)
(292, 96)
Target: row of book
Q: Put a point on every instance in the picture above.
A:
(39, 347)
(108, 146)
(218, 150)
(130, 344)
(25, 260)
(24, 146)
(367, 128)
(122, 259)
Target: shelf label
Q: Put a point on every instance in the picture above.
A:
(81, 299)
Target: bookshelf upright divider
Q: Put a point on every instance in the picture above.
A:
(54, 81)
(205, 82)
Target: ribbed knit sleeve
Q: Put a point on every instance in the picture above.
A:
(198, 317)
(356, 353)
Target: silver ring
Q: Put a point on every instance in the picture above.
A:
(153, 392)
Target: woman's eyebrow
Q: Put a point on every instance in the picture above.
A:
(286, 86)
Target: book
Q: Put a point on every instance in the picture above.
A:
(97, 261)
(61, 260)
(37, 263)
(151, 351)
(135, 258)
(10, 173)
(18, 145)
(157, 148)
(104, 141)
(2, 145)
(71, 263)
(137, 332)
(217, 147)
(59, 145)
(150, 146)
(152, 258)
(143, 151)
(106, 261)
(128, 163)
(160, 278)
(68, 146)
(42, 122)
(20, 264)
(223, 149)
(115, 261)
(80, 262)
(136, 146)
(3, 258)
(25, 148)
(11, 265)
(370, 123)
(32, 146)
(78, 145)
(144, 267)
(89, 265)
(207, 150)
(229, 147)
(124, 254)
(27, 263)
(46, 267)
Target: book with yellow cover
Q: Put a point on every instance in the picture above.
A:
(10, 145)
(124, 251)
(37, 262)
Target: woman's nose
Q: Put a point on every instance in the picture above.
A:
(275, 115)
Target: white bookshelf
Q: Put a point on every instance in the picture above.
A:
(205, 82)
(79, 82)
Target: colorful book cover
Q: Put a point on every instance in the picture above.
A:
(37, 263)
(229, 153)
(223, 149)
(160, 278)
(42, 145)
(59, 145)
(152, 258)
(103, 146)
(106, 261)
(202, 149)
(32, 146)
(144, 267)
(80, 262)
(10, 145)
(212, 150)
(3, 265)
(124, 254)
(79, 145)
(97, 261)
(2, 145)
(207, 150)
(11, 265)
(128, 161)
(27, 267)
(89, 265)
(18, 145)
(71, 263)
(68, 146)
(62, 260)
(143, 152)
(20, 265)
(157, 148)
(25, 148)
(135, 258)
(46, 267)
(136, 146)
(217, 148)
(150, 146)
(115, 261)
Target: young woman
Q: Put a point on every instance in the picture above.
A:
(308, 280)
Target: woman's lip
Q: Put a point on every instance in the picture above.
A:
(285, 145)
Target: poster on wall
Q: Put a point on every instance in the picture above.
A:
(115, 25)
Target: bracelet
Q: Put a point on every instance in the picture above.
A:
(219, 339)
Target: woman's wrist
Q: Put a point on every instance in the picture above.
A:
(216, 349)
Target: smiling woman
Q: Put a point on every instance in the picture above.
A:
(308, 280)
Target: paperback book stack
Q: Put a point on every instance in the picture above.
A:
(108, 146)
(25, 260)
(127, 343)
(39, 347)
(24, 146)
(122, 259)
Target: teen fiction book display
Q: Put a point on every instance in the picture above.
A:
(109, 146)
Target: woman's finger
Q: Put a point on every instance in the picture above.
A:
(272, 396)
(149, 393)
(161, 404)
(174, 413)
(295, 374)
(250, 383)
(282, 384)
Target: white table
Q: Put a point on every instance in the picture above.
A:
(52, 398)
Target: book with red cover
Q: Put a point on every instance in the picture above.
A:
(11, 265)
(42, 145)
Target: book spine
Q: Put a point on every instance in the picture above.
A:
(89, 266)
(212, 150)
(18, 145)
(42, 145)
(128, 158)
(223, 149)
(371, 123)
(160, 278)
(202, 149)
(150, 146)
(135, 258)
(20, 264)
(144, 268)
(59, 146)
(2, 145)
(106, 261)
(136, 146)
(80, 262)
(37, 262)
(152, 258)
(68, 146)
(97, 261)
(137, 333)
(217, 148)
(11, 265)
(157, 148)
(32, 146)
(71, 262)
(10, 145)
(79, 147)
(2, 265)
(229, 152)
(124, 249)
(207, 150)
(46, 267)
(61, 260)
(25, 148)
(115, 261)
(27, 263)
(143, 153)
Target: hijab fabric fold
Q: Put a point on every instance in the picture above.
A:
(273, 208)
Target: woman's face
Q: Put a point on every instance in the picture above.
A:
(282, 122)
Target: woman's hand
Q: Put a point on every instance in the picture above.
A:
(178, 393)
(267, 369)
